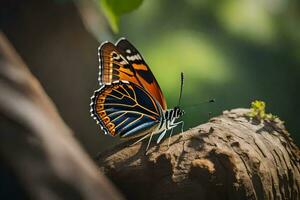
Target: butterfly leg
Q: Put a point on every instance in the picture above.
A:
(169, 141)
(176, 124)
(141, 139)
(149, 141)
(182, 124)
(162, 134)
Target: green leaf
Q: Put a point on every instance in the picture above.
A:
(113, 9)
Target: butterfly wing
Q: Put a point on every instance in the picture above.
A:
(114, 66)
(143, 72)
(125, 109)
(123, 62)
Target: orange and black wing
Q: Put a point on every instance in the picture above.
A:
(142, 71)
(124, 62)
(113, 65)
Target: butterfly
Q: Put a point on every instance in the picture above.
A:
(130, 103)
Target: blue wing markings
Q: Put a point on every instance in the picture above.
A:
(128, 91)
(150, 103)
(129, 102)
(116, 116)
(134, 125)
(129, 108)
(120, 125)
(143, 127)
(115, 94)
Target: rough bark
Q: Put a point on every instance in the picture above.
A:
(230, 157)
(39, 157)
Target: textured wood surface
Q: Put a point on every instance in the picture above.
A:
(230, 157)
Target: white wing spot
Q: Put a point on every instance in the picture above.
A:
(134, 57)
(115, 55)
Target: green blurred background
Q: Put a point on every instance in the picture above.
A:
(230, 50)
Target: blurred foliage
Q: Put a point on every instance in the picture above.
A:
(113, 9)
(258, 111)
(234, 51)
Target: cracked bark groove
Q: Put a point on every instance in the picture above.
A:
(230, 157)
(39, 157)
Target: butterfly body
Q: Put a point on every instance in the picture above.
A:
(130, 102)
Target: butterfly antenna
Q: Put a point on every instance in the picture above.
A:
(181, 88)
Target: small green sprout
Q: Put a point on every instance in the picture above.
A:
(258, 111)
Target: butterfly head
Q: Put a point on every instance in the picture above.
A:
(178, 112)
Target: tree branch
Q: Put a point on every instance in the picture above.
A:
(230, 157)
